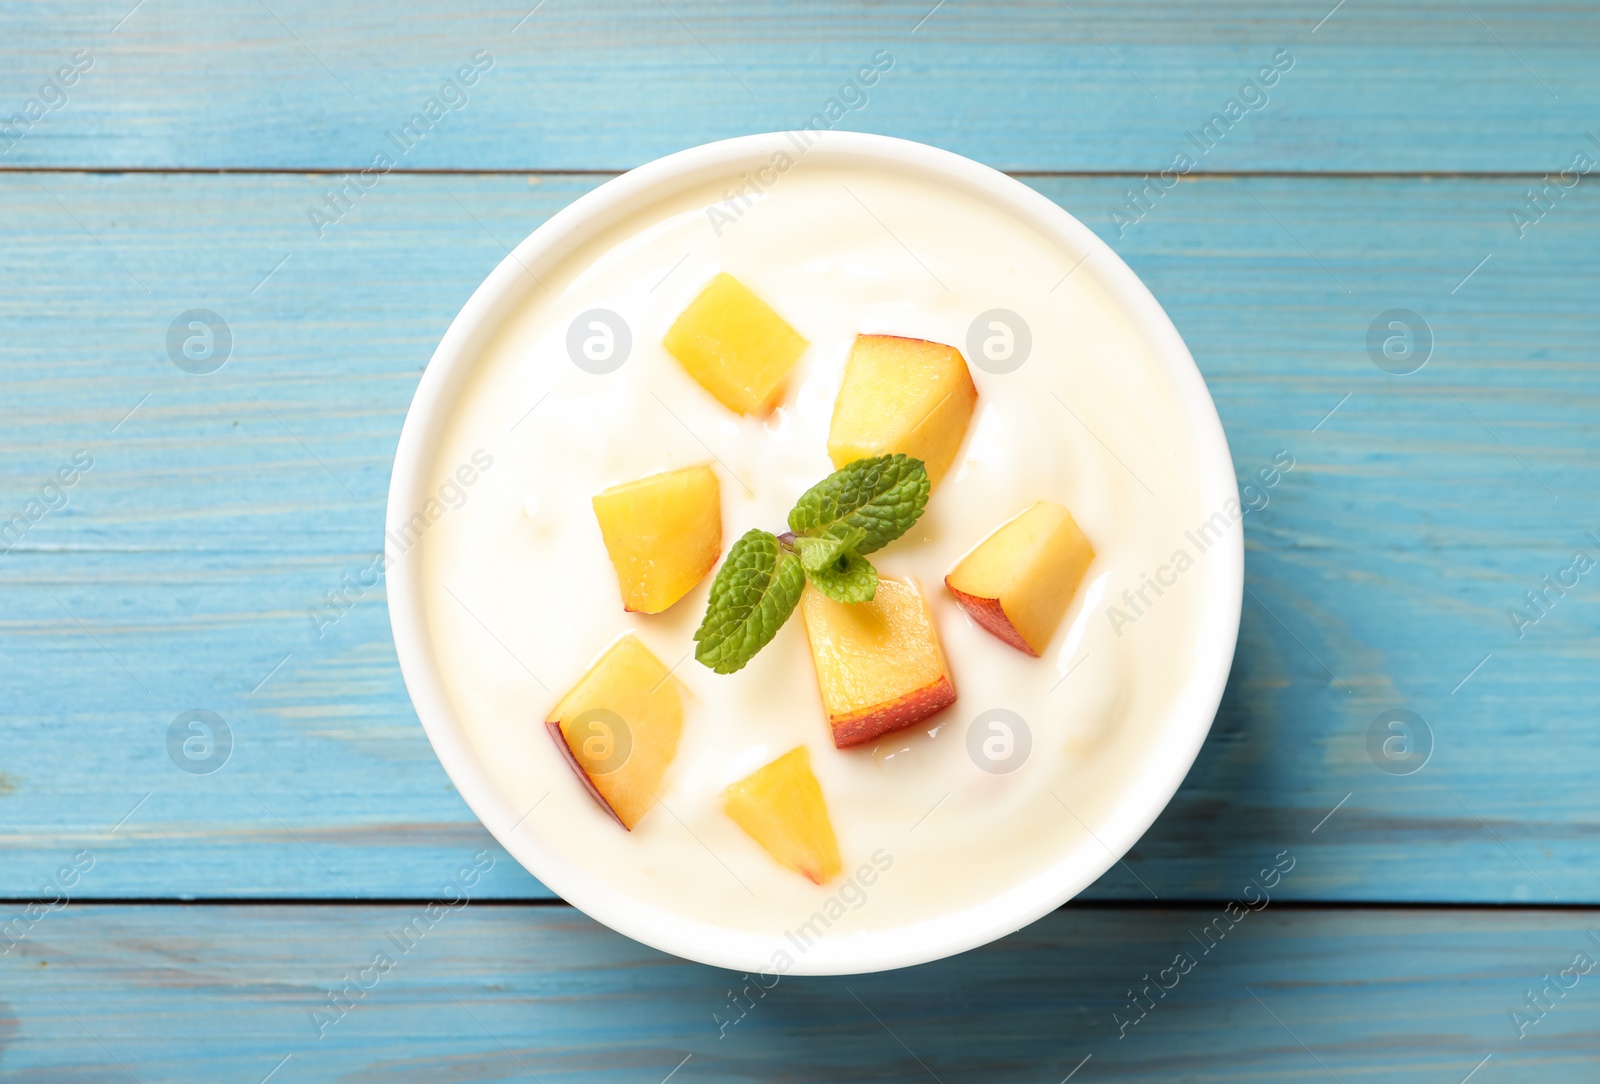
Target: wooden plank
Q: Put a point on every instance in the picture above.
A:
(110, 993)
(179, 575)
(1035, 85)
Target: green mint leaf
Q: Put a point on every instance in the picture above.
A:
(860, 508)
(881, 497)
(820, 551)
(754, 593)
(847, 578)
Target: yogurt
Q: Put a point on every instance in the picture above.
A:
(521, 598)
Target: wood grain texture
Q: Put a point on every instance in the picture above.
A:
(113, 993)
(1025, 85)
(180, 573)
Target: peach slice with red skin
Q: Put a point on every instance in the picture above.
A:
(618, 729)
(879, 664)
(1018, 582)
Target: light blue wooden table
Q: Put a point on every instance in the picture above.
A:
(163, 925)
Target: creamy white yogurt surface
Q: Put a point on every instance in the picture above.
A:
(521, 597)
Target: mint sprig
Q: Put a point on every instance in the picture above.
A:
(756, 590)
(856, 510)
(880, 497)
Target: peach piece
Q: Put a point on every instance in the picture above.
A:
(781, 807)
(902, 395)
(1018, 582)
(879, 664)
(618, 728)
(663, 534)
(735, 346)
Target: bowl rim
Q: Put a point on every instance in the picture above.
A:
(1189, 720)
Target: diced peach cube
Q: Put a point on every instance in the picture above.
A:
(663, 533)
(902, 395)
(618, 728)
(879, 664)
(781, 807)
(735, 346)
(1018, 582)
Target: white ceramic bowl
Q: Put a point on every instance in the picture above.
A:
(1010, 908)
